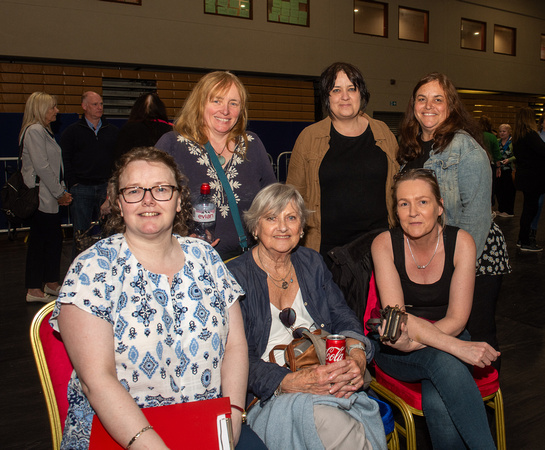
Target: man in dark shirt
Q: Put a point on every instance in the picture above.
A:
(88, 148)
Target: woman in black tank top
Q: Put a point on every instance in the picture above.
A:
(431, 267)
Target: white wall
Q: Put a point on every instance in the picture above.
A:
(177, 33)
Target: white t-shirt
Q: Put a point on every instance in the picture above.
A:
(280, 335)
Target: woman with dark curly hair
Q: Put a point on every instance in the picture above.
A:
(438, 133)
(140, 307)
(344, 165)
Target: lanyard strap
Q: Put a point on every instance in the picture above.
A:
(230, 196)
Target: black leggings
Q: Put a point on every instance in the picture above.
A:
(482, 320)
(529, 211)
(43, 256)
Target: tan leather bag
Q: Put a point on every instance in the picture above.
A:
(306, 351)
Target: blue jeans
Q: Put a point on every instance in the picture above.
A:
(249, 440)
(451, 401)
(86, 202)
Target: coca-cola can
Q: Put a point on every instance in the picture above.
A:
(335, 348)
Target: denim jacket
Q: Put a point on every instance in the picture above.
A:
(321, 296)
(465, 178)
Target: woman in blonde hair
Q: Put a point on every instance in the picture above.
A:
(215, 115)
(41, 166)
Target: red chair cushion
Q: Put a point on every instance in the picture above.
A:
(59, 365)
(486, 379)
(411, 393)
(372, 309)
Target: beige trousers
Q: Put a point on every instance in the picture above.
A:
(339, 430)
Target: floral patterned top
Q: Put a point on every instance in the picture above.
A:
(169, 337)
(494, 259)
(248, 171)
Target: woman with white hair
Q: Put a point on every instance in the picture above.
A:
(289, 289)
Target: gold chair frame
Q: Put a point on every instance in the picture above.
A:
(494, 401)
(43, 372)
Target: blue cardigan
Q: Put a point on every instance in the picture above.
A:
(322, 298)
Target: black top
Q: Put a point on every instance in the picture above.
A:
(429, 301)
(352, 184)
(530, 154)
(88, 158)
(419, 161)
(139, 134)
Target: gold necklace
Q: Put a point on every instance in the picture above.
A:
(432, 256)
(284, 284)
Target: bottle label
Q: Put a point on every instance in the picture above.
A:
(204, 216)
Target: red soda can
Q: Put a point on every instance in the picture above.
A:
(335, 348)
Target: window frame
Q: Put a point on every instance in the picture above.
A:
(482, 33)
(385, 7)
(426, 16)
(270, 6)
(513, 40)
(216, 13)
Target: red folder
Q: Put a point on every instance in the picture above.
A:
(205, 425)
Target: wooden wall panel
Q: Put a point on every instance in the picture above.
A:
(501, 108)
(270, 98)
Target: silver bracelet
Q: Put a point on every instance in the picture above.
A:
(352, 347)
(137, 435)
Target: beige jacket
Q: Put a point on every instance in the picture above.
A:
(308, 152)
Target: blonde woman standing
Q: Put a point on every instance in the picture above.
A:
(41, 166)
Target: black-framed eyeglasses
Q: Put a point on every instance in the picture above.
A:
(288, 316)
(135, 194)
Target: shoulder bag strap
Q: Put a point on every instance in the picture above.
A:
(319, 345)
(21, 146)
(230, 196)
(20, 159)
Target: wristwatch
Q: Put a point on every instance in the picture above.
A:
(360, 346)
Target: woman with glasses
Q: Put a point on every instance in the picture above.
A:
(149, 316)
(288, 288)
(438, 133)
(428, 269)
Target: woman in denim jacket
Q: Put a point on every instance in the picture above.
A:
(439, 134)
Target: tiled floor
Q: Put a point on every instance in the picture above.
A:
(520, 318)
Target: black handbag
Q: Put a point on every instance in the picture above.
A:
(19, 202)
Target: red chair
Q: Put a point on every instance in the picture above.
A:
(54, 368)
(407, 397)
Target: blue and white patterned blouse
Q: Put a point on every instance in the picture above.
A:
(169, 337)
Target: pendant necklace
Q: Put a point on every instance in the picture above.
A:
(220, 156)
(432, 256)
(284, 284)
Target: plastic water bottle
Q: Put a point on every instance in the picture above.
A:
(204, 215)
